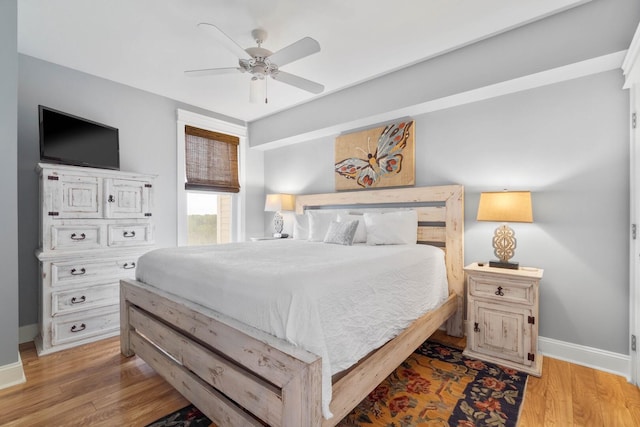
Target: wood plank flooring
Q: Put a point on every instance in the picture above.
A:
(93, 385)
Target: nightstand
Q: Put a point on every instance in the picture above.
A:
(502, 316)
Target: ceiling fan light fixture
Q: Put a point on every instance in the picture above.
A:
(257, 90)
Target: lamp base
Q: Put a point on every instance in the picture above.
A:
(278, 223)
(501, 264)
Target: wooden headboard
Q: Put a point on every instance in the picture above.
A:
(440, 223)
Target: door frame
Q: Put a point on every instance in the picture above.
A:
(634, 249)
(631, 70)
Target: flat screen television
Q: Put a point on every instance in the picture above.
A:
(72, 140)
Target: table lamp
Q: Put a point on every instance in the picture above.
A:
(505, 206)
(277, 203)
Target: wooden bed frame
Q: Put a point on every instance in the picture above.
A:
(238, 375)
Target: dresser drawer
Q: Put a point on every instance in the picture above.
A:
(130, 234)
(84, 272)
(83, 299)
(502, 289)
(72, 237)
(65, 330)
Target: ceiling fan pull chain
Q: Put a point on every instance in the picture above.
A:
(266, 100)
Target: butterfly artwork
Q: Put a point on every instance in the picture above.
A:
(380, 157)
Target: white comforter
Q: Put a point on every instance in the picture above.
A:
(339, 302)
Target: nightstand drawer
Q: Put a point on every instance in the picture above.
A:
(502, 289)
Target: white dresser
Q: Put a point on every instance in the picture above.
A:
(94, 224)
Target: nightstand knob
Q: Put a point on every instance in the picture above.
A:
(475, 327)
(499, 291)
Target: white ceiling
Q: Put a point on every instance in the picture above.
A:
(148, 44)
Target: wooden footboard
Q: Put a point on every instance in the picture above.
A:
(238, 375)
(233, 373)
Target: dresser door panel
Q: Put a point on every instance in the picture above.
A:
(127, 198)
(75, 196)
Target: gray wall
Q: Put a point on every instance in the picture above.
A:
(597, 28)
(8, 182)
(147, 125)
(568, 144)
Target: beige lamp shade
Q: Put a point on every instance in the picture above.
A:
(279, 202)
(505, 206)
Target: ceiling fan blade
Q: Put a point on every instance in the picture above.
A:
(293, 52)
(298, 82)
(227, 41)
(212, 71)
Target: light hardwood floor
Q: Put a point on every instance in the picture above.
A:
(93, 385)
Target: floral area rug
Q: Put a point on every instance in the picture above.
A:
(435, 386)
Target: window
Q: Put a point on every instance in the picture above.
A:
(208, 164)
(209, 218)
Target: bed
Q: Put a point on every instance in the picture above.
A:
(240, 375)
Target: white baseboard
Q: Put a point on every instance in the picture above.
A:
(27, 333)
(603, 360)
(12, 374)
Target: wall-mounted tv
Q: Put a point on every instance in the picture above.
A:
(72, 140)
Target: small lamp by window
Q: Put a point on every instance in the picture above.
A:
(277, 203)
(505, 206)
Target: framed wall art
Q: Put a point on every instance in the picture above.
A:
(376, 158)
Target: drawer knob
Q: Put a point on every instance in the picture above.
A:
(499, 291)
(129, 234)
(82, 236)
(111, 199)
(80, 300)
(76, 328)
(80, 272)
(129, 266)
(476, 327)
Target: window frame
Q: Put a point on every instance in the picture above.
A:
(188, 118)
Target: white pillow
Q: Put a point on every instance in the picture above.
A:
(300, 227)
(319, 224)
(361, 231)
(341, 233)
(392, 228)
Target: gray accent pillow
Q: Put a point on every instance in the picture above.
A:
(341, 233)
(361, 231)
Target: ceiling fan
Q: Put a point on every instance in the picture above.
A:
(260, 62)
